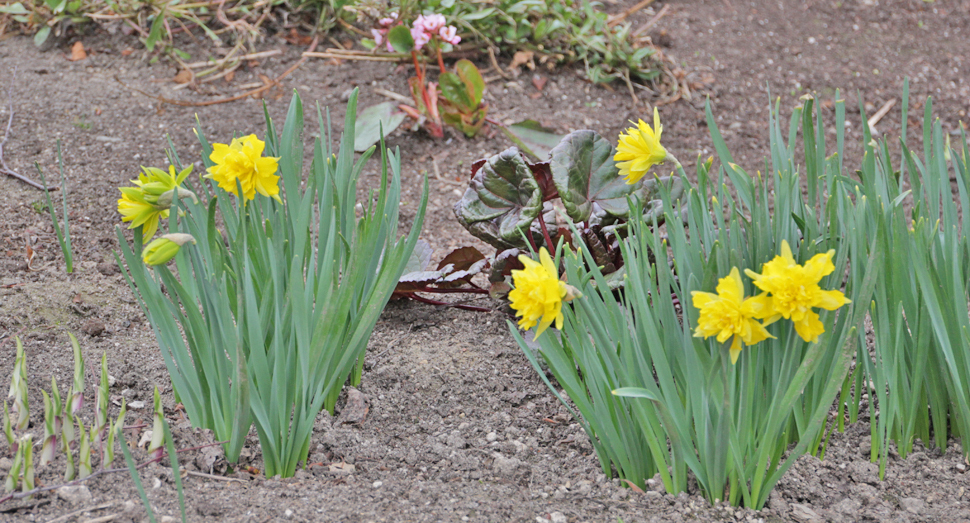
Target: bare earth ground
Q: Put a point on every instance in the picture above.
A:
(459, 427)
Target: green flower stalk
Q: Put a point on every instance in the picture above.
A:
(77, 394)
(156, 446)
(161, 250)
(109, 451)
(18, 389)
(84, 451)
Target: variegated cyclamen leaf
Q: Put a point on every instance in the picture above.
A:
(502, 201)
(420, 257)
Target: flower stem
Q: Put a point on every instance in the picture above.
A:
(441, 61)
(545, 232)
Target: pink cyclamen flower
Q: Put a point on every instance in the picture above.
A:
(378, 36)
(449, 34)
(430, 23)
(386, 22)
(420, 37)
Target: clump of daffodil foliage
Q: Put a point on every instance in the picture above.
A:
(662, 387)
(279, 282)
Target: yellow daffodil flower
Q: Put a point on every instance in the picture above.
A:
(164, 248)
(243, 160)
(538, 293)
(133, 208)
(160, 187)
(795, 292)
(728, 313)
(639, 149)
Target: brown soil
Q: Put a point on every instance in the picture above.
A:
(459, 427)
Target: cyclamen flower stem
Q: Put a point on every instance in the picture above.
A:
(422, 299)
(435, 290)
(437, 48)
(532, 241)
(545, 232)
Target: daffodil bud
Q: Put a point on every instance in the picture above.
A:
(164, 200)
(163, 249)
(571, 293)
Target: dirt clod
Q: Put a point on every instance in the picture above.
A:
(93, 327)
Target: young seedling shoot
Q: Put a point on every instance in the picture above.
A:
(77, 392)
(109, 453)
(101, 406)
(52, 423)
(18, 389)
(157, 444)
(84, 451)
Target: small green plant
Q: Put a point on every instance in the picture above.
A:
(63, 235)
(456, 99)
(461, 100)
(277, 304)
(556, 31)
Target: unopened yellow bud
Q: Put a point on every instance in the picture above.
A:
(163, 249)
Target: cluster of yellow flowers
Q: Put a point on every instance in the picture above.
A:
(791, 291)
(149, 200)
(243, 160)
(145, 204)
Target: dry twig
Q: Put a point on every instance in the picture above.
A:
(614, 20)
(649, 23)
(261, 90)
(880, 114)
(70, 515)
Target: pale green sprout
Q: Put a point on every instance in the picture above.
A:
(84, 451)
(101, 404)
(18, 389)
(77, 391)
(50, 438)
(116, 427)
(13, 476)
(7, 427)
(156, 446)
(27, 443)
